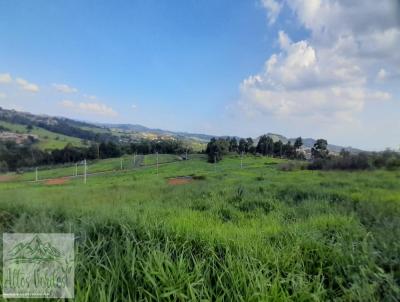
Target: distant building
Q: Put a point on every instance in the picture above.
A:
(17, 137)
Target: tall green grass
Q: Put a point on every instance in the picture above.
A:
(252, 234)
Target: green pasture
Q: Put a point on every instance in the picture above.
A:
(47, 139)
(251, 234)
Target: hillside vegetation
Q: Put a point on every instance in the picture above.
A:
(47, 139)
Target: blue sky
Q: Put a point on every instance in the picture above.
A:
(218, 67)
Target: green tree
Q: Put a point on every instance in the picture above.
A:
(249, 144)
(233, 145)
(242, 145)
(262, 146)
(216, 149)
(298, 143)
(320, 149)
(278, 148)
(344, 153)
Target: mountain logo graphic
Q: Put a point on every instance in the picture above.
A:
(34, 251)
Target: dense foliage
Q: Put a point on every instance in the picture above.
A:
(218, 147)
(160, 146)
(361, 161)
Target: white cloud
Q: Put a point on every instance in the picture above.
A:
(90, 97)
(284, 40)
(67, 104)
(98, 108)
(273, 9)
(25, 85)
(90, 108)
(64, 88)
(329, 75)
(381, 75)
(5, 78)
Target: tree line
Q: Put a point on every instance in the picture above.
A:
(218, 147)
(321, 158)
(14, 156)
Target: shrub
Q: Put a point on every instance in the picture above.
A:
(290, 166)
(3, 167)
(361, 161)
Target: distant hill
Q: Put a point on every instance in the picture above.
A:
(143, 129)
(51, 132)
(56, 132)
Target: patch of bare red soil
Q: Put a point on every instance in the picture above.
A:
(7, 177)
(56, 181)
(179, 181)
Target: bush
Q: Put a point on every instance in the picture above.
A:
(290, 166)
(359, 161)
(3, 167)
(393, 163)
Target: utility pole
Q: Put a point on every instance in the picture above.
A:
(241, 160)
(76, 169)
(36, 174)
(121, 163)
(134, 159)
(85, 169)
(187, 154)
(157, 162)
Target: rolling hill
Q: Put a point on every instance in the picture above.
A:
(56, 132)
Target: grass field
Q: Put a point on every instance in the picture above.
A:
(47, 139)
(231, 234)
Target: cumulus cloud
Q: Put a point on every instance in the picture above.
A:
(98, 108)
(25, 85)
(90, 108)
(5, 78)
(273, 9)
(64, 88)
(329, 74)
